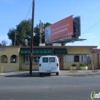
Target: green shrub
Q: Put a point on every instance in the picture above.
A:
(83, 64)
(74, 65)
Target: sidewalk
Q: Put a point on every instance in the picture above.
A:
(80, 73)
(62, 73)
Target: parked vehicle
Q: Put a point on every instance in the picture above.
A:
(48, 64)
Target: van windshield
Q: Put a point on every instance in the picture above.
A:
(52, 59)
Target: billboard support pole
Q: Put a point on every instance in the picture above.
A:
(63, 44)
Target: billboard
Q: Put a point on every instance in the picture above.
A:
(59, 30)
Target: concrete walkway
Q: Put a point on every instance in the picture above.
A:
(62, 73)
(80, 73)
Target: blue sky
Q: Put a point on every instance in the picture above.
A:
(14, 11)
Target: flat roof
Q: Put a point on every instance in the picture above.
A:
(59, 46)
(48, 46)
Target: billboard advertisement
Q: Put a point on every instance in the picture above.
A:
(59, 30)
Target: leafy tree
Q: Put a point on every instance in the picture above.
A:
(23, 31)
(3, 43)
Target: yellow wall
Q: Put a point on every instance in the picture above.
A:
(76, 51)
(79, 50)
(8, 67)
(27, 66)
(9, 51)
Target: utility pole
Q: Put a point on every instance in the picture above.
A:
(41, 30)
(32, 30)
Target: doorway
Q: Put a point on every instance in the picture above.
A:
(60, 61)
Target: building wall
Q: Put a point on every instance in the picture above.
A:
(99, 60)
(79, 50)
(9, 51)
(27, 66)
(21, 65)
(76, 51)
(8, 67)
(66, 65)
(95, 60)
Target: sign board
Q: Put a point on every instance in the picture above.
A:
(59, 30)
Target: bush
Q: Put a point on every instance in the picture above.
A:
(83, 64)
(74, 65)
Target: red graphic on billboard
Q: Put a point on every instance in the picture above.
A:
(59, 30)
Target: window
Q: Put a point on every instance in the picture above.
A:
(4, 59)
(52, 59)
(34, 59)
(27, 59)
(69, 58)
(76, 58)
(13, 59)
(45, 59)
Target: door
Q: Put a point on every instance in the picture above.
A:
(45, 64)
(53, 63)
(60, 61)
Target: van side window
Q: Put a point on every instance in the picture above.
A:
(52, 59)
(45, 59)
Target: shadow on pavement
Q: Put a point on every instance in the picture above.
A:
(34, 74)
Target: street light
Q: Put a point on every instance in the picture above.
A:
(32, 30)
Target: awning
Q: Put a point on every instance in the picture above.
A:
(37, 51)
(60, 51)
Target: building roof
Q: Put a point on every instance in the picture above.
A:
(96, 50)
(60, 47)
(10, 46)
(49, 47)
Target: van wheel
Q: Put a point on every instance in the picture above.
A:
(57, 73)
(49, 74)
(40, 74)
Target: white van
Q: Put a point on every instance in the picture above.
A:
(48, 64)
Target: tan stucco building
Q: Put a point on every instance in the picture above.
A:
(13, 58)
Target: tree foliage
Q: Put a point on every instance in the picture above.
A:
(3, 43)
(23, 31)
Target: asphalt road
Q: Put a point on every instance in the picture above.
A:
(48, 88)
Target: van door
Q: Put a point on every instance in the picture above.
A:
(53, 63)
(45, 64)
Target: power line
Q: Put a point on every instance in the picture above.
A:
(18, 42)
(91, 26)
(28, 11)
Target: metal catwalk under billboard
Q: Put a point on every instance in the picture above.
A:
(59, 30)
